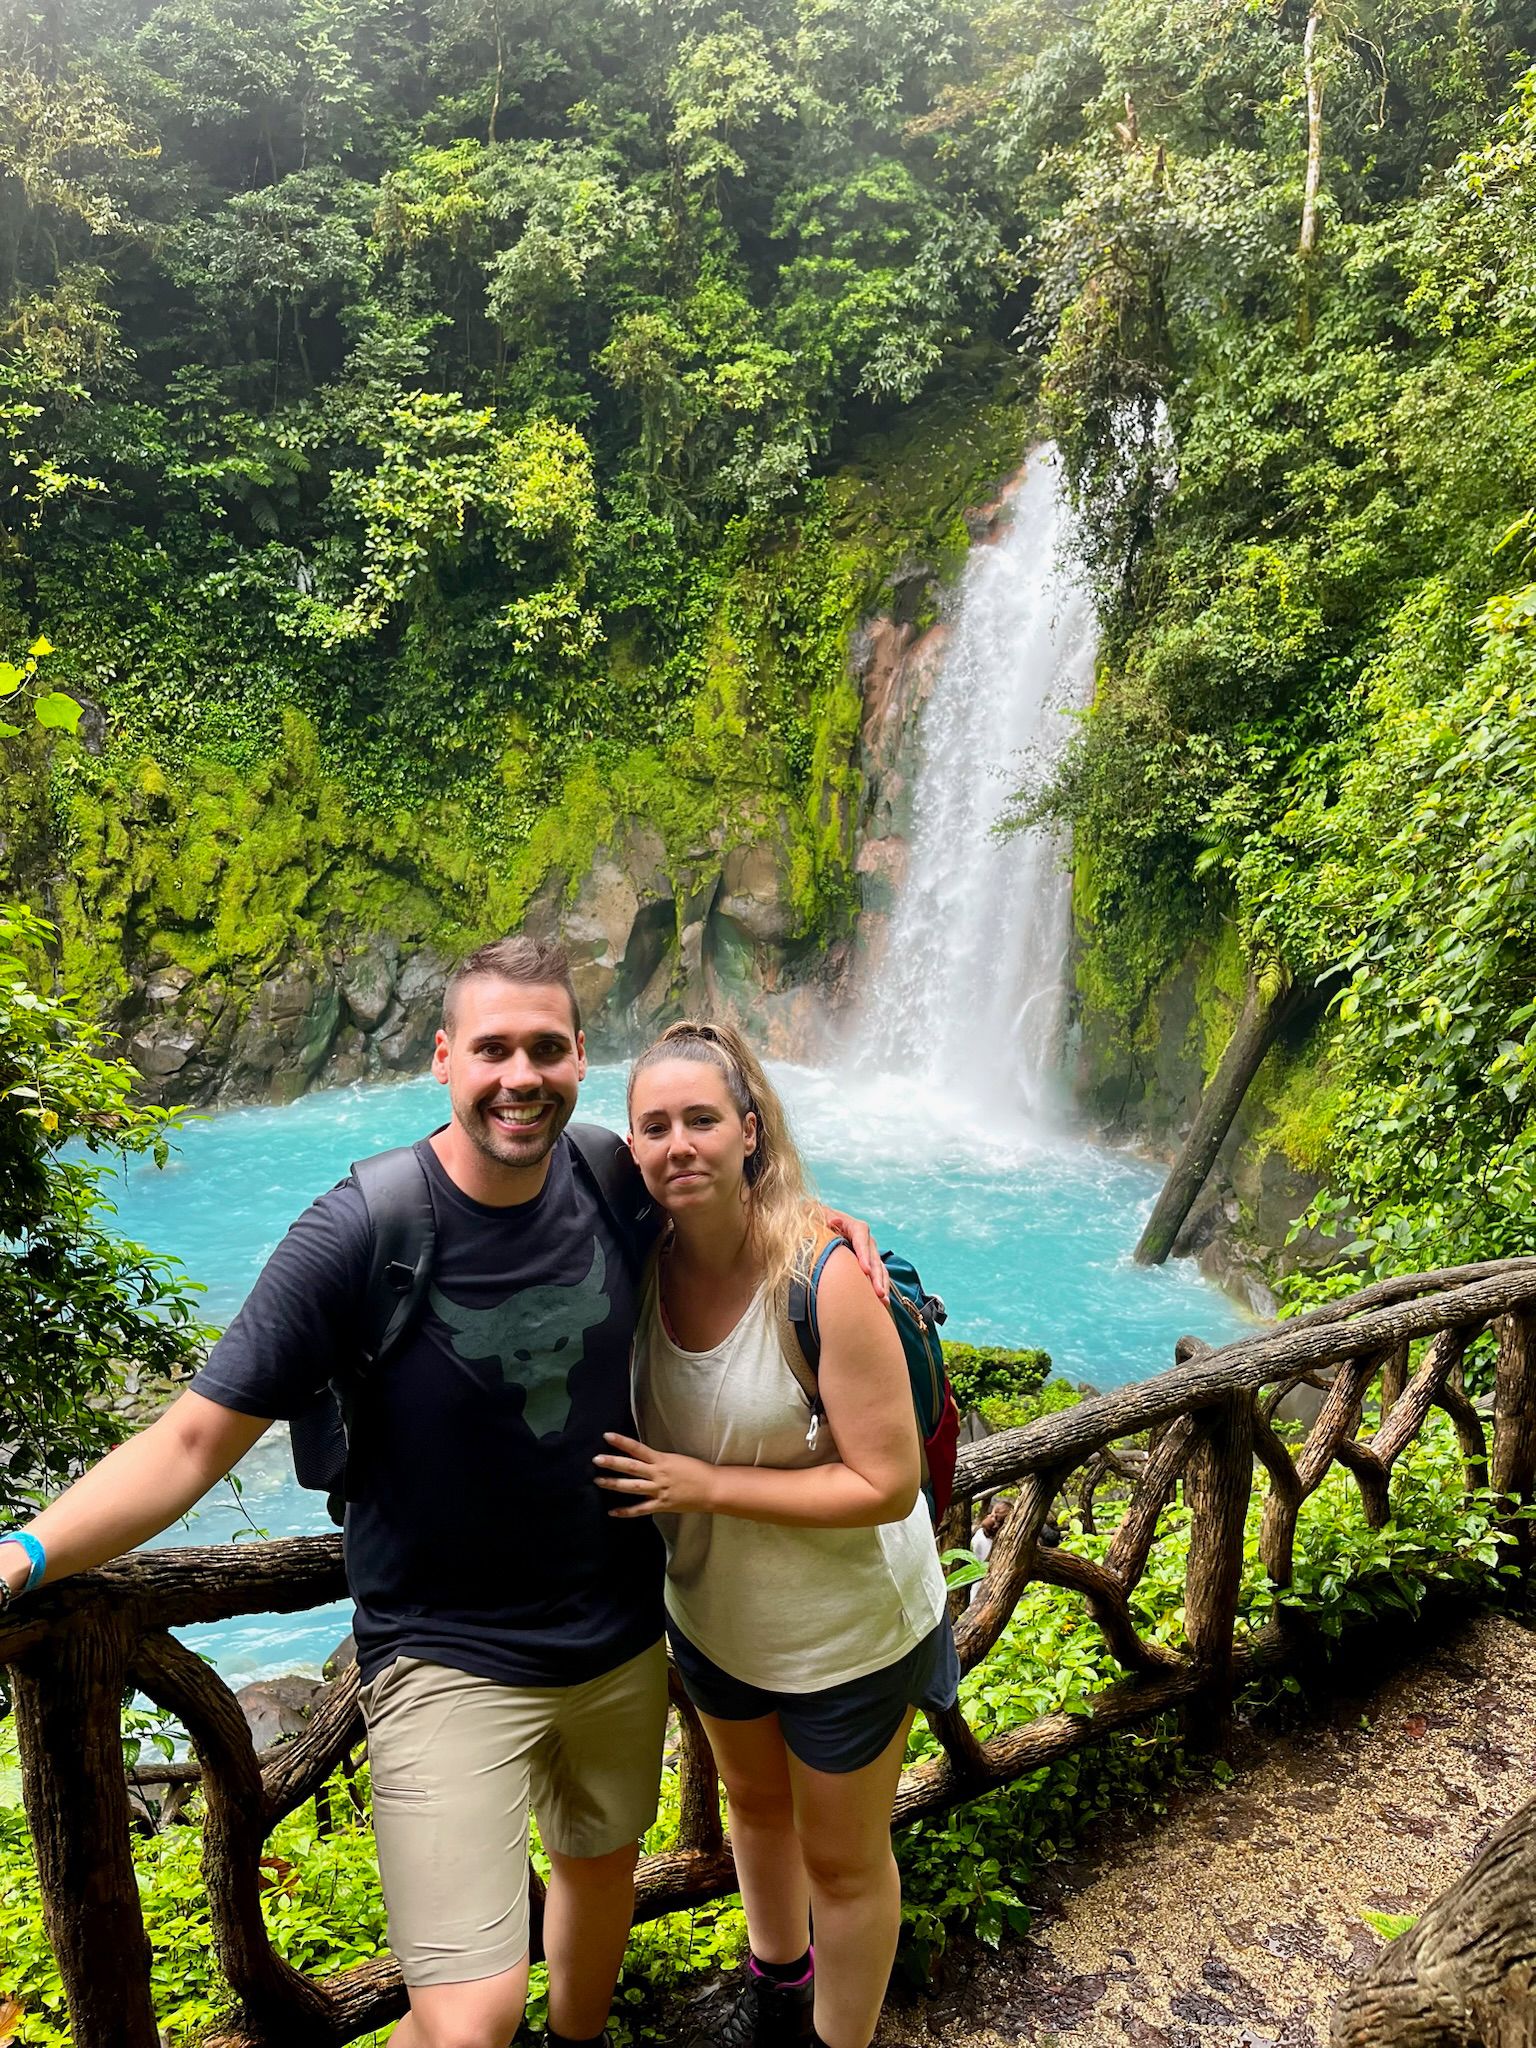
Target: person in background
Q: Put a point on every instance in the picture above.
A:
(498, 1667)
(987, 1531)
(804, 1595)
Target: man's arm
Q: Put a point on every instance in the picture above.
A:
(137, 1490)
(272, 1360)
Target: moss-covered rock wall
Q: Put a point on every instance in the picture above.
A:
(254, 928)
(1138, 1078)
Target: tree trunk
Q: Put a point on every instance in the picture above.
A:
(67, 1691)
(1464, 1976)
(1256, 1031)
(1306, 247)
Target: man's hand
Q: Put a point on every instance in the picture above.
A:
(861, 1243)
(666, 1483)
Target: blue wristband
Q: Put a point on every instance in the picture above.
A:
(36, 1555)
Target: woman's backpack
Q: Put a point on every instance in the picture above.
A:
(917, 1315)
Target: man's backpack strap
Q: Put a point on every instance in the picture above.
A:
(398, 1195)
(398, 1199)
(609, 1168)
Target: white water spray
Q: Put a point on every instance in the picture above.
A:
(972, 988)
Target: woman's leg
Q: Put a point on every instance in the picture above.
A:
(843, 1821)
(754, 1767)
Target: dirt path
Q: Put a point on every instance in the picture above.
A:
(1233, 1921)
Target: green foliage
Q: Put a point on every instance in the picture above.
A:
(1388, 1925)
(1304, 487)
(53, 710)
(76, 1301)
(976, 1370)
(434, 424)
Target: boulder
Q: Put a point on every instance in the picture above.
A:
(404, 1040)
(316, 1030)
(596, 932)
(754, 894)
(408, 1027)
(367, 983)
(341, 1659)
(423, 978)
(276, 1708)
(166, 984)
(348, 1061)
(160, 1050)
(541, 913)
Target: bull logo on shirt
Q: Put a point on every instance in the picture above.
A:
(536, 1337)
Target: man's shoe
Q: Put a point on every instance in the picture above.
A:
(757, 2013)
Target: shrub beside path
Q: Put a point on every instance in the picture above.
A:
(1235, 1920)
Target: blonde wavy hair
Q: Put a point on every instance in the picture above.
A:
(781, 1208)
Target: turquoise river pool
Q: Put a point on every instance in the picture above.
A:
(1025, 1233)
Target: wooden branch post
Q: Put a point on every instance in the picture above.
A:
(1464, 1975)
(698, 1818)
(1514, 1424)
(1216, 1487)
(68, 1693)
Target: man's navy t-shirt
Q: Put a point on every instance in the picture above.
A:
(479, 1539)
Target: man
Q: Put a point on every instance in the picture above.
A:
(508, 1629)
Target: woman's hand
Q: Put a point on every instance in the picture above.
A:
(664, 1482)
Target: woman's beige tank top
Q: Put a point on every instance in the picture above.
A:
(790, 1610)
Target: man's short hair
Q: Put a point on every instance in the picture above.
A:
(532, 963)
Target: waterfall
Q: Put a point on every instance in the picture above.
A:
(971, 989)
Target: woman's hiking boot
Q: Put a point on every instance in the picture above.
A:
(756, 2012)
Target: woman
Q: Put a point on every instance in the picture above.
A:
(805, 1600)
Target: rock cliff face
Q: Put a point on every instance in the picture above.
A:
(348, 1014)
(1143, 1088)
(648, 942)
(712, 936)
(715, 929)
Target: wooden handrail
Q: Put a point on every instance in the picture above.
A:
(73, 1647)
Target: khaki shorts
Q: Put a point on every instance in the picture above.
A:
(456, 1761)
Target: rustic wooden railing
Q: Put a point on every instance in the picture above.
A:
(1208, 1423)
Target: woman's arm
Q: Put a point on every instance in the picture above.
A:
(868, 1405)
(138, 1489)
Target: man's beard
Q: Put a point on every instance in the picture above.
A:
(509, 1148)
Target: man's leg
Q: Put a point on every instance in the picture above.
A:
(480, 2015)
(449, 1754)
(595, 1780)
(587, 1913)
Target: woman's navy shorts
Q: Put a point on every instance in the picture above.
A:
(844, 1727)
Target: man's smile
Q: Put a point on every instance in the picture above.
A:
(518, 1116)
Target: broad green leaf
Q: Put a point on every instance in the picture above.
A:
(59, 711)
(11, 679)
